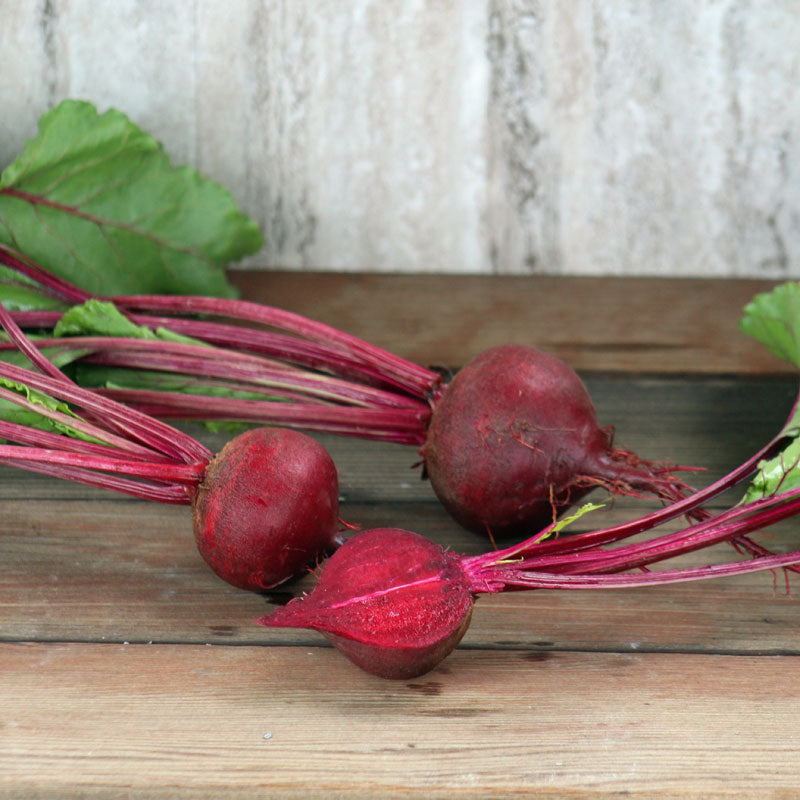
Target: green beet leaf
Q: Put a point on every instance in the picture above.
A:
(94, 199)
(102, 318)
(11, 412)
(99, 318)
(19, 293)
(773, 318)
(22, 298)
(776, 475)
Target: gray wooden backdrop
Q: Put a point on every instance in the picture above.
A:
(508, 136)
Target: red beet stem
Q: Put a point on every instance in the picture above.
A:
(149, 440)
(304, 352)
(189, 474)
(75, 460)
(190, 359)
(418, 380)
(21, 342)
(56, 286)
(401, 426)
(327, 347)
(176, 494)
(544, 580)
(344, 408)
(200, 360)
(150, 432)
(494, 572)
(79, 425)
(23, 434)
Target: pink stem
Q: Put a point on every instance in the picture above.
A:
(75, 423)
(56, 286)
(200, 360)
(544, 580)
(304, 352)
(730, 524)
(398, 425)
(190, 474)
(151, 432)
(23, 434)
(414, 378)
(740, 520)
(211, 362)
(23, 343)
(175, 494)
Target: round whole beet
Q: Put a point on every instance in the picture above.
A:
(514, 438)
(267, 506)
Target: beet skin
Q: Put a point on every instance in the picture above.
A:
(514, 438)
(268, 505)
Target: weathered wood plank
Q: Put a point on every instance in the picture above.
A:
(125, 573)
(188, 721)
(646, 325)
(485, 137)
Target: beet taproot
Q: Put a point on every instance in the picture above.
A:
(514, 439)
(390, 600)
(266, 507)
(397, 604)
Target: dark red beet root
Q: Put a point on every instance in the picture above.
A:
(397, 604)
(390, 600)
(514, 438)
(267, 506)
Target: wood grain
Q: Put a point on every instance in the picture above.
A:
(209, 722)
(647, 325)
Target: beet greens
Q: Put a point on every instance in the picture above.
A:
(92, 190)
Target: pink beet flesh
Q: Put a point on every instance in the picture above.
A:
(268, 505)
(393, 602)
(515, 438)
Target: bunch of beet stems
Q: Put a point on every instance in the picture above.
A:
(263, 508)
(317, 378)
(578, 560)
(123, 449)
(363, 391)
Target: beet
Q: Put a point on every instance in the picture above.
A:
(263, 508)
(514, 438)
(509, 443)
(390, 600)
(396, 604)
(267, 506)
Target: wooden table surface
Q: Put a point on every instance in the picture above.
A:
(130, 671)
